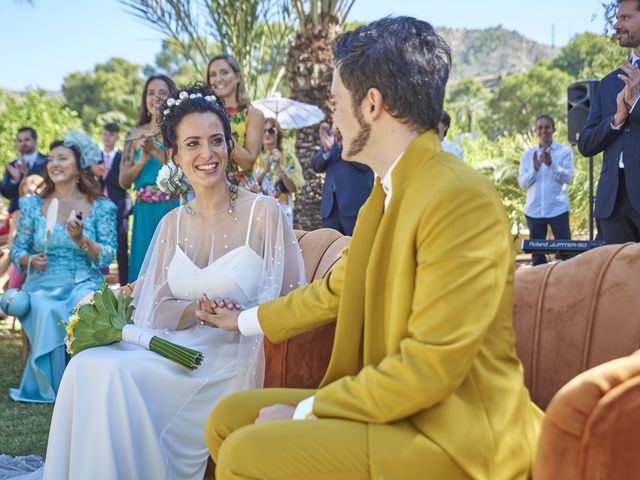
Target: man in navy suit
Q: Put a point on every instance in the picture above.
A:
(108, 172)
(613, 126)
(346, 184)
(29, 162)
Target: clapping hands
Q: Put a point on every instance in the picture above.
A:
(218, 313)
(628, 96)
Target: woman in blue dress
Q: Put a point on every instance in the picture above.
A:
(62, 266)
(142, 159)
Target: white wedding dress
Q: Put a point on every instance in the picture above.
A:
(123, 412)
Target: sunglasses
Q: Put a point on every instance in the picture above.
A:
(270, 130)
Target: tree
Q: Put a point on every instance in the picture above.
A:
(257, 33)
(467, 101)
(309, 68)
(48, 116)
(112, 91)
(171, 61)
(589, 55)
(521, 97)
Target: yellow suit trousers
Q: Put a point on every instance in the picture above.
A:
(315, 449)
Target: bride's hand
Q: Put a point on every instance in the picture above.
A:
(218, 313)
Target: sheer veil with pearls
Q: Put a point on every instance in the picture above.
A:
(248, 253)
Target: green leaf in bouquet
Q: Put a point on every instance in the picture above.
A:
(89, 312)
(109, 299)
(119, 320)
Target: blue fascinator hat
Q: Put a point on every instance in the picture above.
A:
(89, 150)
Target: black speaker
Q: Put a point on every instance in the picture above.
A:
(580, 95)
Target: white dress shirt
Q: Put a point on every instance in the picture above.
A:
(249, 325)
(547, 191)
(451, 147)
(634, 58)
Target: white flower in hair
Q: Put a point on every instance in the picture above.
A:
(183, 95)
(171, 102)
(198, 95)
(193, 95)
(178, 102)
(167, 111)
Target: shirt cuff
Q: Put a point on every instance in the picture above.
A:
(613, 127)
(325, 155)
(304, 410)
(248, 323)
(634, 105)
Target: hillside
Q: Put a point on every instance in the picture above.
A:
(492, 52)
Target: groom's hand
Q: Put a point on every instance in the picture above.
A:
(275, 412)
(220, 313)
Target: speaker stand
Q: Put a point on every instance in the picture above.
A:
(591, 199)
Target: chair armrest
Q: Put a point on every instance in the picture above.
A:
(592, 425)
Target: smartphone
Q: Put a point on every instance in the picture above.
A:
(79, 215)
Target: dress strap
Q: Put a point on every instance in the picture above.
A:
(253, 206)
(178, 227)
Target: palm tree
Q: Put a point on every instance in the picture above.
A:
(257, 32)
(309, 67)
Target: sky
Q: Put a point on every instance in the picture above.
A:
(41, 44)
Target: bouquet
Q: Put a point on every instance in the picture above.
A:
(171, 180)
(102, 318)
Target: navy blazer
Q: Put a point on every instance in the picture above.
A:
(351, 181)
(597, 136)
(9, 188)
(116, 193)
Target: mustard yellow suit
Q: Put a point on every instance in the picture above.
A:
(423, 381)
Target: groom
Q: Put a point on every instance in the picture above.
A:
(423, 381)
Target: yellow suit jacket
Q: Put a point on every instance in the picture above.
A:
(424, 340)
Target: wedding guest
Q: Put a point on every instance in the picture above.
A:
(142, 159)
(108, 173)
(545, 172)
(613, 129)
(278, 173)
(443, 128)
(423, 381)
(142, 414)
(29, 162)
(62, 266)
(28, 186)
(225, 77)
(347, 185)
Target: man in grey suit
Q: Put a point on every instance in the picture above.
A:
(613, 126)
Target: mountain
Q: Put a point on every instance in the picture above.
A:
(492, 52)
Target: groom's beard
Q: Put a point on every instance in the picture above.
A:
(362, 137)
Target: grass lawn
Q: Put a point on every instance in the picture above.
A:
(24, 427)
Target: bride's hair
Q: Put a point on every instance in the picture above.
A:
(194, 98)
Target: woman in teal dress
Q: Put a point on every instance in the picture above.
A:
(64, 266)
(142, 159)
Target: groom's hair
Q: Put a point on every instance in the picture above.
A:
(405, 59)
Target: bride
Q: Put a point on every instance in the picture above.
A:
(124, 412)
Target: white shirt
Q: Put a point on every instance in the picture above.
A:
(451, 147)
(249, 325)
(634, 58)
(547, 191)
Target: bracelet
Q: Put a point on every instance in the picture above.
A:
(84, 245)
